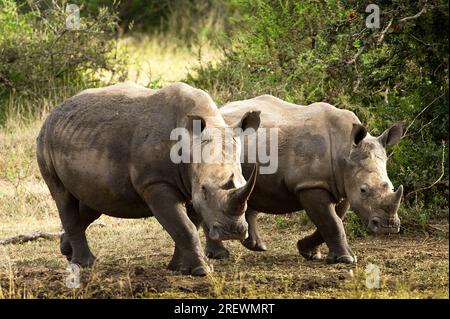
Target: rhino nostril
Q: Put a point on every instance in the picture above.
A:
(214, 233)
(374, 225)
(242, 228)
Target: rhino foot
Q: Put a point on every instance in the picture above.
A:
(311, 255)
(187, 269)
(188, 265)
(201, 270)
(217, 253)
(307, 252)
(65, 247)
(344, 259)
(81, 256)
(84, 261)
(174, 265)
(255, 245)
(216, 250)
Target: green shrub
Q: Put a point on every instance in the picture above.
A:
(40, 55)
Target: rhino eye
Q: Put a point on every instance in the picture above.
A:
(229, 184)
(206, 141)
(364, 189)
(204, 192)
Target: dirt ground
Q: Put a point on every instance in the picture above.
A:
(133, 256)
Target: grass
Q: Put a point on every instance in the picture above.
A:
(133, 254)
(158, 60)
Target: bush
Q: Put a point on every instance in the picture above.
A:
(309, 51)
(41, 55)
(188, 20)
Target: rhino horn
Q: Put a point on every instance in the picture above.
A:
(240, 195)
(398, 195)
(394, 199)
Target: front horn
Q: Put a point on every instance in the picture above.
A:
(398, 195)
(240, 195)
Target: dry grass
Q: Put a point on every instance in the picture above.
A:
(159, 60)
(133, 254)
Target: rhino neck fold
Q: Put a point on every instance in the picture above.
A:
(337, 169)
(184, 180)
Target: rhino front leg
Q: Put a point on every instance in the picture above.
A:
(168, 207)
(253, 241)
(319, 206)
(308, 247)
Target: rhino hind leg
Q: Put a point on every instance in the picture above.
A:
(309, 247)
(87, 216)
(65, 247)
(177, 260)
(73, 243)
(253, 241)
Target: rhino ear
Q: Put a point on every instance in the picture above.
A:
(195, 124)
(359, 132)
(250, 119)
(392, 135)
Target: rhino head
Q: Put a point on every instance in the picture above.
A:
(219, 190)
(367, 185)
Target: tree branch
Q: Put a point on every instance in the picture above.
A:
(22, 238)
(439, 178)
(383, 33)
(424, 9)
(361, 49)
(386, 29)
(421, 112)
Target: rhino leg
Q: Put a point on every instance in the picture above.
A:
(87, 216)
(308, 247)
(320, 208)
(253, 241)
(176, 262)
(167, 205)
(73, 243)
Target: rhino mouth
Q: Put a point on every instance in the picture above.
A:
(235, 231)
(379, 225)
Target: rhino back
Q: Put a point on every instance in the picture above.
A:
(106, 145)
(311, 140)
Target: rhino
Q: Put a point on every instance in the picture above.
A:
(327, 163)
(107, 151)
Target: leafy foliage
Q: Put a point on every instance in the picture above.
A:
(39, 53)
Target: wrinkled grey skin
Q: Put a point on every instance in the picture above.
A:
(107, 151)
(327, 163)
